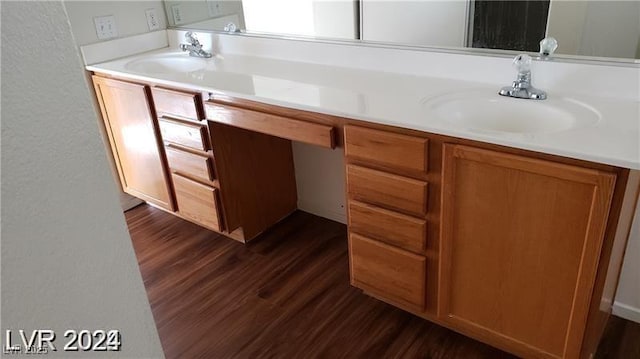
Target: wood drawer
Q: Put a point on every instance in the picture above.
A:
(391, 227)
(190, 164)
(183, 133)
(197, 202)
(390, 272)
(387, 190)
(176, 103)
(275, 125)
(386, 148)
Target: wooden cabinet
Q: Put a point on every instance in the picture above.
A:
(191, 163)
(521, 239)
(197, 202)
(388, 190)
(272, 124)
(403, 231)
(224, 178)
(387, 148)
(385, 269)
(133, 134)
(507, 246)
(185, 133)
(387, 215)
(178, 104)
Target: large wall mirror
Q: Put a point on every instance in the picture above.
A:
(595, 28)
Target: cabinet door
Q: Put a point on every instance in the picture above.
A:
(521, 239)
(133, 134)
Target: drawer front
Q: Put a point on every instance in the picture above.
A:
(390, 272)
(190, 164)
(186, 134)
(386, 148)
(279, 126)
(175, 103)
(197, 202)
(391, 227)
(386, 190)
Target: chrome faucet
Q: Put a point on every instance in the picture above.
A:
(521, 87)
(194, 46)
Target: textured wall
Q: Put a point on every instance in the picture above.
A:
(67, 259)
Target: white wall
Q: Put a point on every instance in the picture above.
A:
(611, 29)
(193, 11)
(320, 179)
(427, 23)
(67, 259)
(129, 16)
(335, 19)
(565, 23)
(627, 303)
(315, 18)
(596, 28)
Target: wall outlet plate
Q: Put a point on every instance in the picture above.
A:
(214, 8)
(105, 27)
(152, 19)
(176, 11)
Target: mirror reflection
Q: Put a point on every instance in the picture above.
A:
(584, 28)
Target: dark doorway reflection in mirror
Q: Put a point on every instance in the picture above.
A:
(508, 25)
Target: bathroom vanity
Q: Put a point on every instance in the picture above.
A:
(518, 248)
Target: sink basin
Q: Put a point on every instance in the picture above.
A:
(167, 64)
(486, 111)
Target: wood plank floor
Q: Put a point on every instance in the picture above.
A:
(287, 295)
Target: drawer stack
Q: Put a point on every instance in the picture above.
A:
(387, 206)
(189, 156)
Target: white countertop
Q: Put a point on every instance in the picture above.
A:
(397, 100)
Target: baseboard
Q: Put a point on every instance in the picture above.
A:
(626, 311)
(323, 211)
(127, 201)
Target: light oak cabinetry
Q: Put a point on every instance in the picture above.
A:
(189, 156)
(197, 202)
(389, 270)
(521, 239)
(514, 248)
(272, 124)
(507, 246)
(229, 180)
(387, 214)
(133, 134)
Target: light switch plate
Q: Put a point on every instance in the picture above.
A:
(176, 11)
(152, 19)
(105, 27)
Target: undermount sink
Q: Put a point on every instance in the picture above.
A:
(486, 111)
(167, 64)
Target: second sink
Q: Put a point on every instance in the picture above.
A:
(485, 111)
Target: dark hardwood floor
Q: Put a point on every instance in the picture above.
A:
(287, 295)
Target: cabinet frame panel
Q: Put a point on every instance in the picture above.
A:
(603, 185)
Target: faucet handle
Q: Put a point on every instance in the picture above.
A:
(191, 37)
(231, 28)
(547, 46)
(522, 63)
